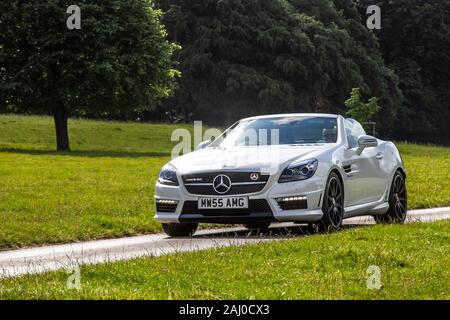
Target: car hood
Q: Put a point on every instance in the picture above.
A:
(268, 159)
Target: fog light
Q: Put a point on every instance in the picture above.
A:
(166, 205)
(288, 199)
(166, 201)
(293, 203)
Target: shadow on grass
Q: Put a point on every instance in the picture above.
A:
(90, 153)
(284, 232)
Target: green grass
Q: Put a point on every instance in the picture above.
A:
(104, 187)
(87, 137)
(428, 175)
(413, 260)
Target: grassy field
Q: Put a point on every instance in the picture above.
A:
(428, 175)
(104, 187)
(413, 260)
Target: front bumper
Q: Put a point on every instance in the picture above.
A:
(312, 189)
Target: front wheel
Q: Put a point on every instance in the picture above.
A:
(179, 229)
(398, 202)
(332, 207)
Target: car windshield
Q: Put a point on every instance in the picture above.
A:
(289, 130)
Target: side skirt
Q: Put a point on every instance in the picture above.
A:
(372, 208)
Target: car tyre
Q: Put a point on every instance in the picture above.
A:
(332, 207)
(179, 229)
(398, 202)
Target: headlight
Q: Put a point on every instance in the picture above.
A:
(299, 171)
(168, 175)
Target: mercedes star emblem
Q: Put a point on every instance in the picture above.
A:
(222, 184)
(254, 176)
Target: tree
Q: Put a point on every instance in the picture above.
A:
(248, 57)
(415, 42)
(358, 110)
(119, 60)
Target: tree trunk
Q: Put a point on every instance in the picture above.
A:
(60, 116)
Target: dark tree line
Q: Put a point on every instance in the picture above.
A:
(246, 57)
(415, 43)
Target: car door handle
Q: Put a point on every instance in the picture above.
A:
(380, 155)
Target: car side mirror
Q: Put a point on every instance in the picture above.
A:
(204, 144)
(366, 142)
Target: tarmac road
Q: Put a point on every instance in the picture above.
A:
(42, 259)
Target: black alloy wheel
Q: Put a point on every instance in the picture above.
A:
(332, 207)
(398, 202)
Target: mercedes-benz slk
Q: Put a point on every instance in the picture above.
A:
(316, 169)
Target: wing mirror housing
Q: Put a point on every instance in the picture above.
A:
(203, 144)
(366, 142)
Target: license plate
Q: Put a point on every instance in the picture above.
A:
(223, 203)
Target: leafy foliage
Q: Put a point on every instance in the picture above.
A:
(248, 57)
(415, 41)
(119, 60)
(363, 112)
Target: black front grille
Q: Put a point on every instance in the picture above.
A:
(254, 206)
(293, 205)
(166, 207)
(235, 189)
(208, 177)
(202, 183)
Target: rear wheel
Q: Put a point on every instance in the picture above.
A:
(258, 226)
(332, 207)
(398, 202)
(179, 229)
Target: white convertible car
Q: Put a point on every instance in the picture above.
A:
(305, 168)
